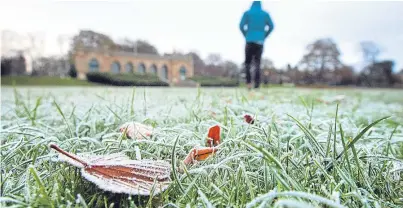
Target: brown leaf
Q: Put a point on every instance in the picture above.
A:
(199, 154)
(136, 130)
(118, 174)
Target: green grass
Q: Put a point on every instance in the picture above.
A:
(42, 81)
(299, 153)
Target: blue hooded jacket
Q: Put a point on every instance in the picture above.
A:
(256, 20)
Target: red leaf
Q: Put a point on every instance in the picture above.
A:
(118, 174)
(199, 154)
(213, 137)
(248, 119)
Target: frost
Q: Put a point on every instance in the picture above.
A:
(136, 130)
(118, 174)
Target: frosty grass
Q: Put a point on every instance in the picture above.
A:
(298, 153)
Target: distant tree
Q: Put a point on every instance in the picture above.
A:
(231, 69)
(322, 55)
(92, 39)
(73, 71)
(95, 40)
(399, 77)
(198, 64)
(344, 75)
(5, 66)
(142, 46)
(266, 67)
(370, 51)
(378, 74)
(294, 74)
(51, 66)
(266, 64)
(127, 45)
(13, 65)
(289, 68)
(214, 59)
(387, 67)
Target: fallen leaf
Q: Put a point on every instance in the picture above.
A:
(213, 137)
(249, 119)
(199, 154)
(213, 114)
(136, 130)
(118, 174)
(334, 99)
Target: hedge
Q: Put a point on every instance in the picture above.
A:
(210, 81)
(128, 79)
(25, 80)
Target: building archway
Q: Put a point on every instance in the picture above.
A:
(153, 69)
(141, 68)
(115, 67)
(182, 73)
(129, 67)
(93, 65)
(164, 72)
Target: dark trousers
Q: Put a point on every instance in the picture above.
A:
(253, 55)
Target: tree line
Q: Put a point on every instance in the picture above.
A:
(320, 65)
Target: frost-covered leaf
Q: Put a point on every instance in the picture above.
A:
(214, 136)
(199, 154)
(118, 174)
(136, 130)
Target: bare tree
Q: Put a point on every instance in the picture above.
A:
(36, 45)
(63, 41)
(267, 64)
(370, 51)
(8, 42)
(214, 59)
(323, 55)
(198, 63)
(231, 69)
(34, 50)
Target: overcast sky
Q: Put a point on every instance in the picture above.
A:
(212, 26)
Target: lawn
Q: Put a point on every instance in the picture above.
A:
(300, 152)
(42, 81)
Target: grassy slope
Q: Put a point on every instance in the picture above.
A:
(277, 161)
(42, 81)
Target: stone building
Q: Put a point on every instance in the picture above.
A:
(170, 68)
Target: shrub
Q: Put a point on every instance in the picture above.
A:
(210, 81)
(73, 71)
(131, 79)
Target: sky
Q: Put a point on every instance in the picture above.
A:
(212, 26)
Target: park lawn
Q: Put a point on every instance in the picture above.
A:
(42, 81)
(300, 150)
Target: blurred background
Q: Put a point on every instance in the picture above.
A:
(198, 43)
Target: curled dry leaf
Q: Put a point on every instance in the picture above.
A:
(136, 130)
(249, 119)
(199, 154)
(118, 174)
(213, 114)
(214, 135)
(335, 99)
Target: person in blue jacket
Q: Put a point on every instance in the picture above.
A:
(256, 25)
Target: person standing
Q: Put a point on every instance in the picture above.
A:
(256, 25)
